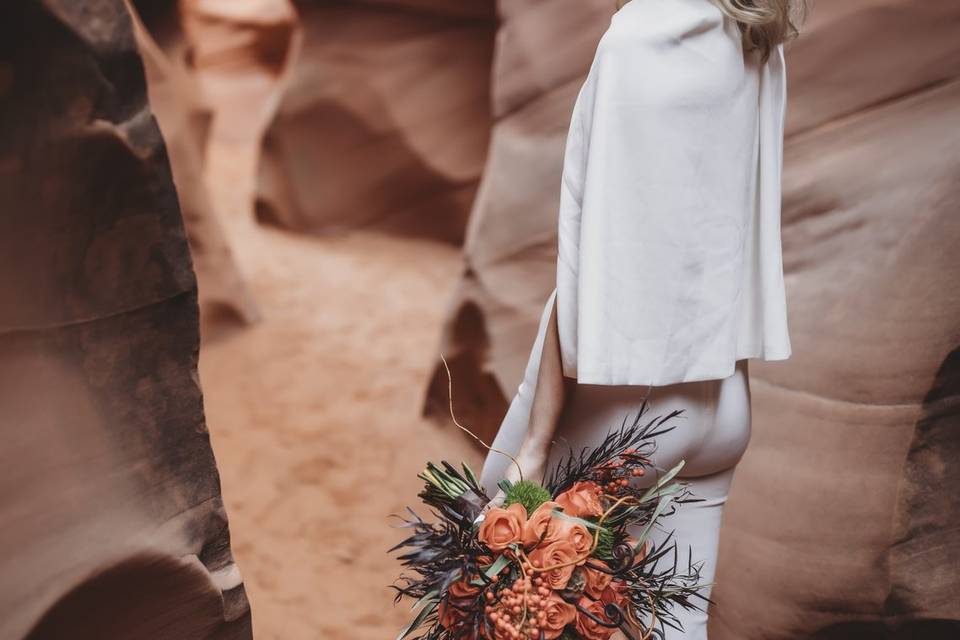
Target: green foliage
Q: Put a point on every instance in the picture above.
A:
(604, 543)
(530, 494)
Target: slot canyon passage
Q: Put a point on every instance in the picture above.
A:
(313, 414)
(324, 307)
(313, 409)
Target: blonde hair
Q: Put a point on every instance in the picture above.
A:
(763, 23)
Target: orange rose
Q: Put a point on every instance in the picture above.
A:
(543, 527)
(589, 628)
(614, 594)
(582, 500)
(558, 614)
(448, 616)
(503, 527)
(462, 589)
(460, 595)
(577, 535)
(562, 556)
(595, 582)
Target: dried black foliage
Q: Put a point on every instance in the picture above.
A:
(637, 435)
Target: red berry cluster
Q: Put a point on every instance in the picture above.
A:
(518, 612)
(615, 475)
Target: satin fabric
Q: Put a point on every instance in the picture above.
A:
(670, 266)
(710, 437)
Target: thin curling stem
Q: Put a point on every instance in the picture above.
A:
(635, 619)
(466, 430)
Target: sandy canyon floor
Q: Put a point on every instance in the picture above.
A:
(314, 411)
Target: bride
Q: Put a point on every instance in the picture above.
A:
(669, 275)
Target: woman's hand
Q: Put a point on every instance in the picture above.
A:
(532, 463)
(549, 397)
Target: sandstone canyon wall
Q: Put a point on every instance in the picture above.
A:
(113, 524)
(544, 50)
(385, 121)
(172, 54)
(841, 523)
(841, 520)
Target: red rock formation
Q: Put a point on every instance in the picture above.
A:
(185, 120)
(240, 53)
(112, 510)
(385, 121)
(226, 35)
(839, 518)
(544, 51)
(839, 525)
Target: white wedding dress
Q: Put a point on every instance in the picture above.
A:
(669, 275)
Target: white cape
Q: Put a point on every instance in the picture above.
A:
(670, 266)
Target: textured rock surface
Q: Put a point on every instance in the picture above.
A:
(839, 525)
(544, 50)
(385, 121)
(240, 53)
(239, 36)
(113, 518)
(185, 120)
(839, 518)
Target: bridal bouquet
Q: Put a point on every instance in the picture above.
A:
(557, 560)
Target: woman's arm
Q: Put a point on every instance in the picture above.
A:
(549, 397)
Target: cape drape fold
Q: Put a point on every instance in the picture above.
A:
(669, 267)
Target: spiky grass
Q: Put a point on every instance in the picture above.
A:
(528, 493)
